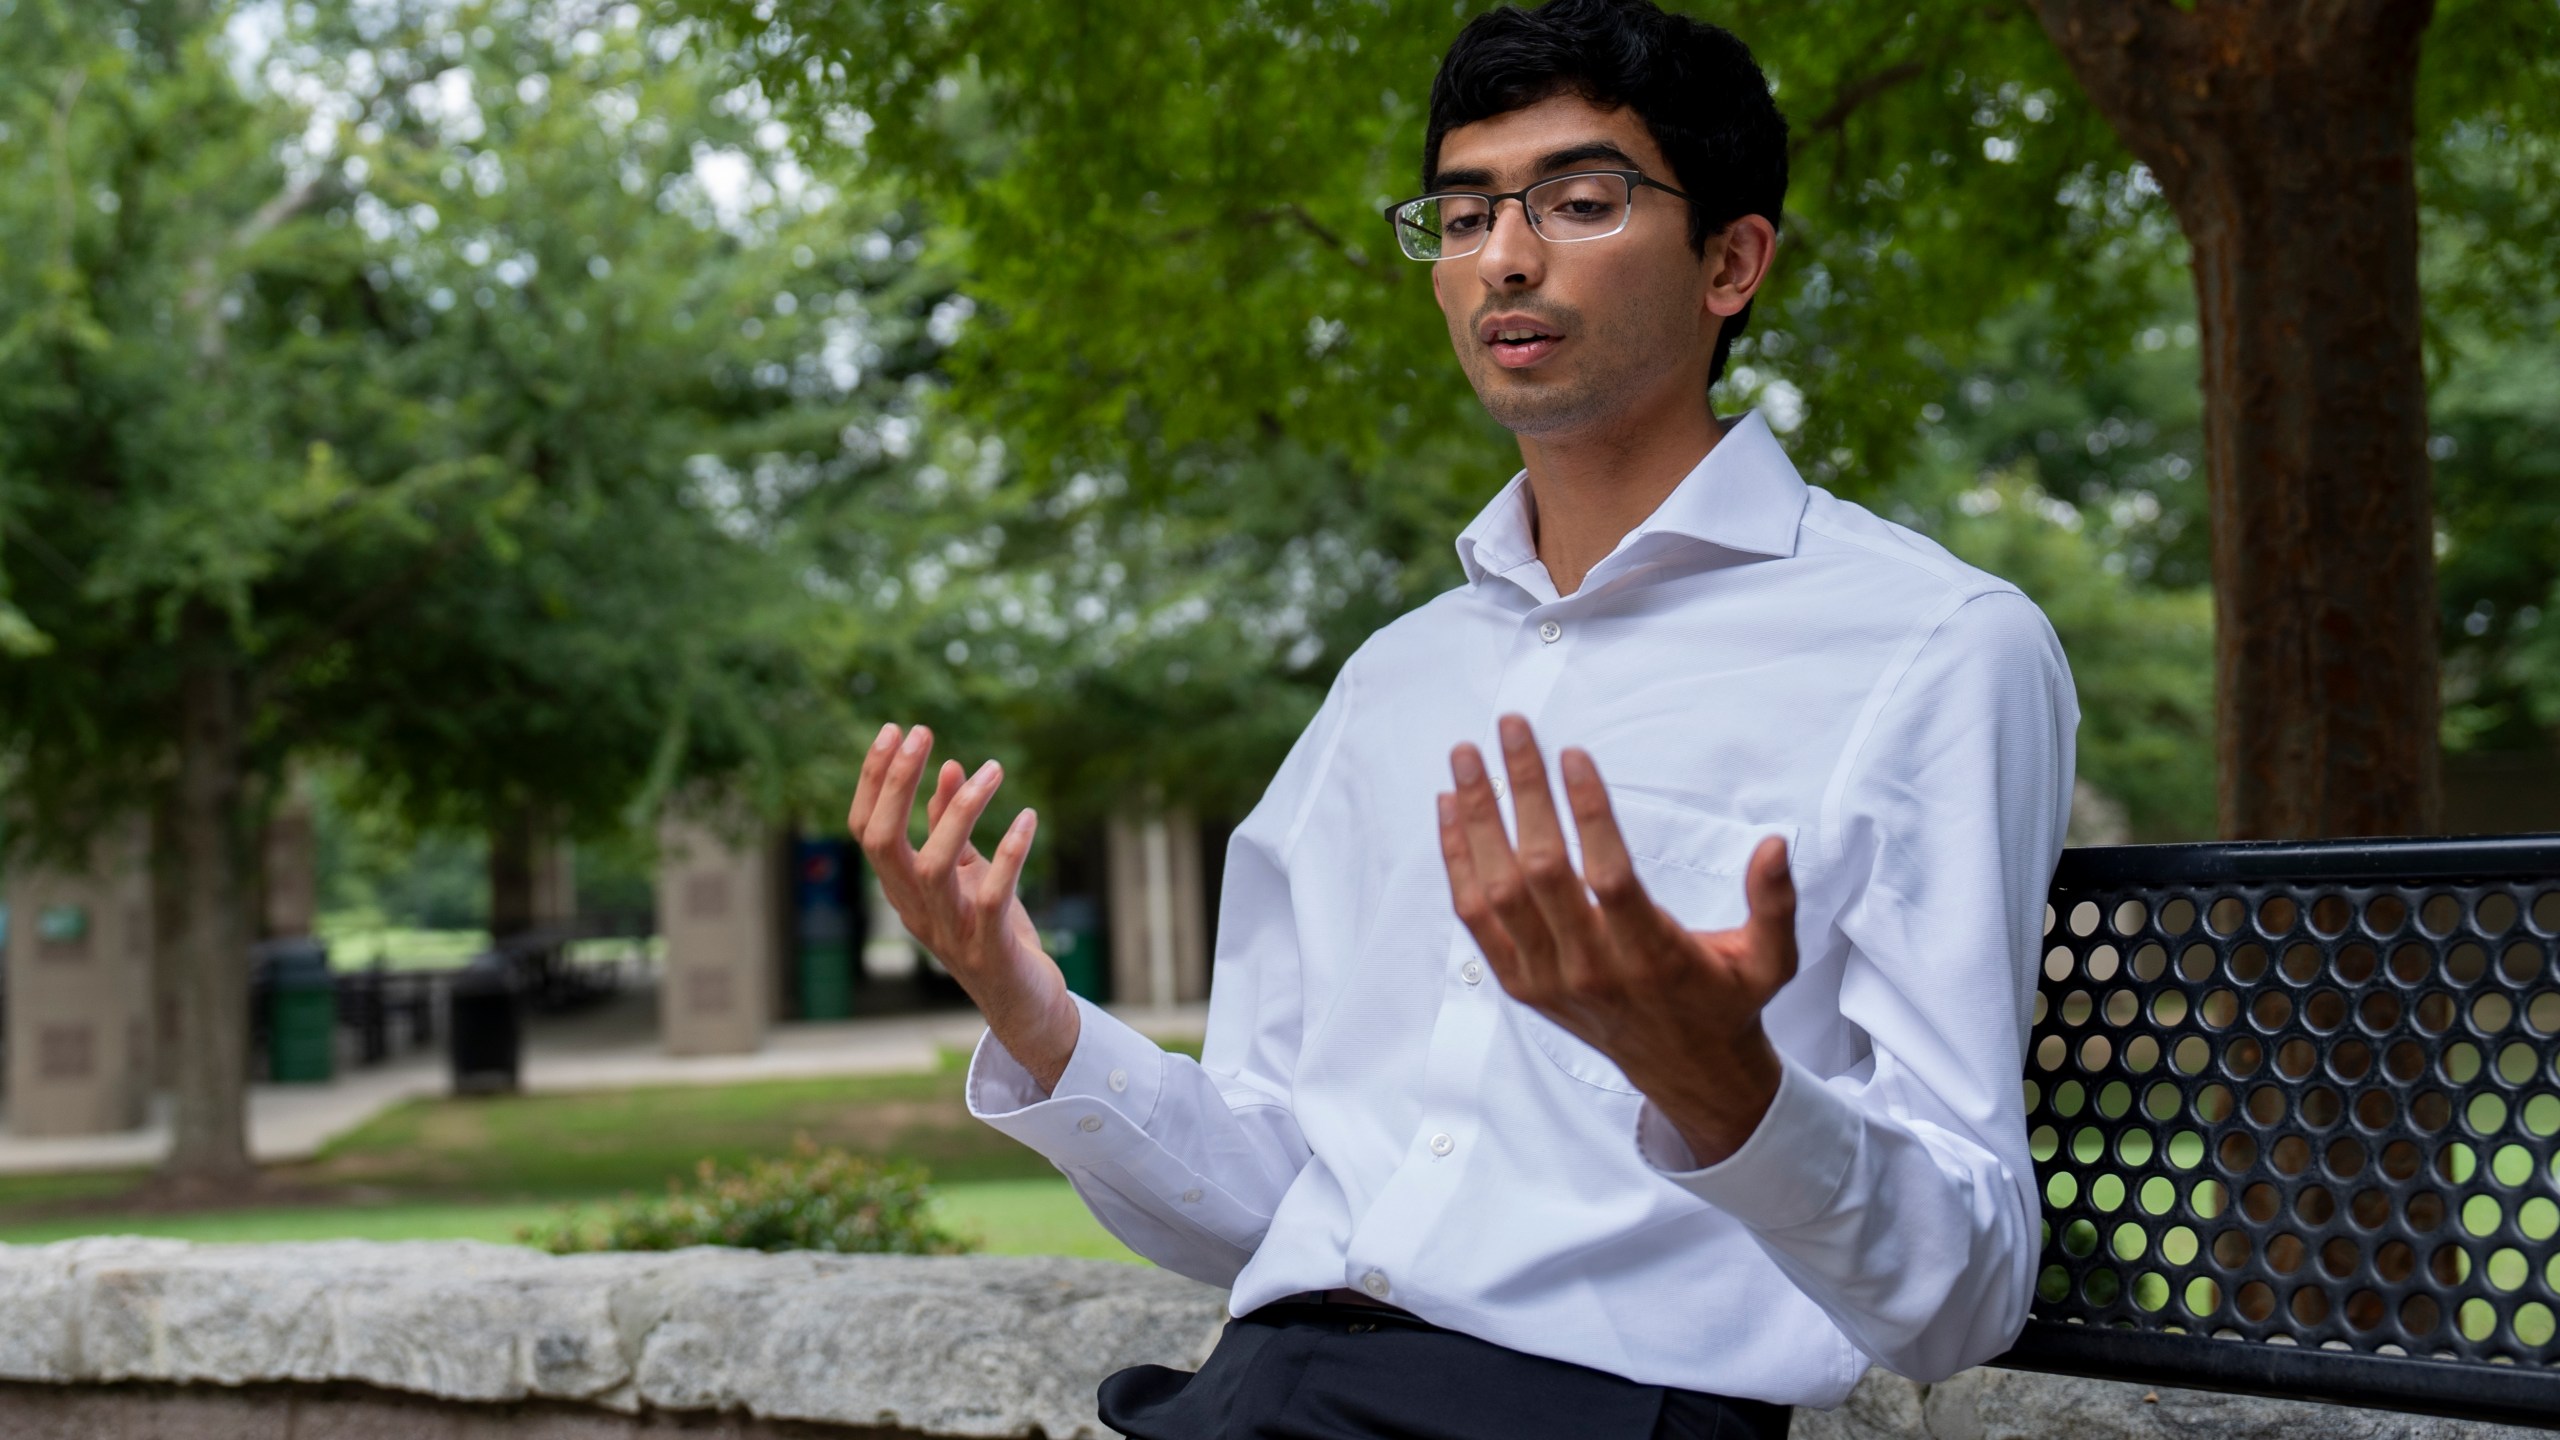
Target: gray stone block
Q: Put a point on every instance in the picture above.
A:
(976, 1345)
(136, 1335)
(1993, 1404)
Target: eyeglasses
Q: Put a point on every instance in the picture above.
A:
(1585, 205)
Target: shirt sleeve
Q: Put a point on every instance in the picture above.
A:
(1902, 1201)
(1186, 1161)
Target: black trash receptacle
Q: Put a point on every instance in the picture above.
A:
(484, 1029)
(302, 1010)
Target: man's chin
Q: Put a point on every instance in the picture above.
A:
(1526, 406)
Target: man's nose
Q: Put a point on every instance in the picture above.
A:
(1513, 255)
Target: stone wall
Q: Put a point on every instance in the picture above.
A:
(129, 1339)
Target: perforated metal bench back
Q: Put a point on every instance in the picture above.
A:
(2294, 1110)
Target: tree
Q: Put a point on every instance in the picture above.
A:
(611, 276)
(424, 402)
(149, 498)
(1950, 166)
(2283, 134)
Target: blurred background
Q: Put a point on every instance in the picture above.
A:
(474, 477)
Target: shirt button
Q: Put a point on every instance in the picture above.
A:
(1375, 1282)
(1441, 1144)
(1471, 972)
(1190, 1197)
(1089, 1124)
(1119, 1079)
(1551, 632)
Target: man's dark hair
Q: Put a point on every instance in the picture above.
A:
(1696, 87)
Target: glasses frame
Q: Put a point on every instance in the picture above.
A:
(1493, 209)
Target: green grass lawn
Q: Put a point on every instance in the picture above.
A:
(1005, 1217)
(482, 1168)
(357, 938)
(356, 941)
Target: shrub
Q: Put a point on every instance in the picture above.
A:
(813, 1200)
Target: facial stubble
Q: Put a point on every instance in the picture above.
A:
(1615, 360)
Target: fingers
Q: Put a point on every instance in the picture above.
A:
(946, 783)
(1466, 893)
(1771, 889)
(1002, 875)
(1632, 917)
(1546, 866)
(866, 791)
(941, 853)
(884, 831)
(1497, 871)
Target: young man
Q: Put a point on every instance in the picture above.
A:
(1538, 1104)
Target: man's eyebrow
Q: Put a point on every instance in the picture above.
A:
(1583, 153)
(1548, 164)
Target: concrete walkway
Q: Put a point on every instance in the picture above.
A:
(614, 1047)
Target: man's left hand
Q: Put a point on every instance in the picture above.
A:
(1677, 1010)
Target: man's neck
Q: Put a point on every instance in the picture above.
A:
(1588, 490)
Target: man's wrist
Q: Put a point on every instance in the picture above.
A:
(1716, 1104)
(1042, 1045)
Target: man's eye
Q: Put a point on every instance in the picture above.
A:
(1462, 224)
(1584, 209)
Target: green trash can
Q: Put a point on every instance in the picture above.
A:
(1072, 935)
(826, 979)
(302, 1014)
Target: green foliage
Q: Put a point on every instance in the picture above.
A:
(372, 866)
(815, 1200)
(465, 384)
(1234, 441)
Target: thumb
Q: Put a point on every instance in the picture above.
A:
(1771, 890)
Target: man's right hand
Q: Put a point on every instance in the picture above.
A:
(962, 905)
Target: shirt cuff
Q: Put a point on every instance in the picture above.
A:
(1788, 1170)
(1102, 1102)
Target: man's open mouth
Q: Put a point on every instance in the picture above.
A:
(1523, 345)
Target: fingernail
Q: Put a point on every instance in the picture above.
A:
(917, 740)
(984, 771)
(1022, 823)
(1464, 763)
(1515, 733)
(883, 737)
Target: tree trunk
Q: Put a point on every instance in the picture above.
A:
(205, 859)
(2281, 133)
(512, 848)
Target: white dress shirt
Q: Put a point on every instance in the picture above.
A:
(1372, 1110)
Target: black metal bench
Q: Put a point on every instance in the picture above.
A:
(2294, 1111)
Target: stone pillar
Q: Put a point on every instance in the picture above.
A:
(720, 910)
(555, 885)
(1159, 914)
(290, 870)
(79, 977)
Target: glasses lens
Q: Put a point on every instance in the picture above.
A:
(1439, 226)
(1579, 207)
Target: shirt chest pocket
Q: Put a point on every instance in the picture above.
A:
(1691, 862)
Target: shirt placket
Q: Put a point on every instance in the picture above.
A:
(1418, 1198)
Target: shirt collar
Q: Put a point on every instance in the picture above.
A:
(1745, 495)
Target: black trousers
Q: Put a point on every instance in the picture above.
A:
(1294, 1371)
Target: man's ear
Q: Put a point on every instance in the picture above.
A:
(1737, 261)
